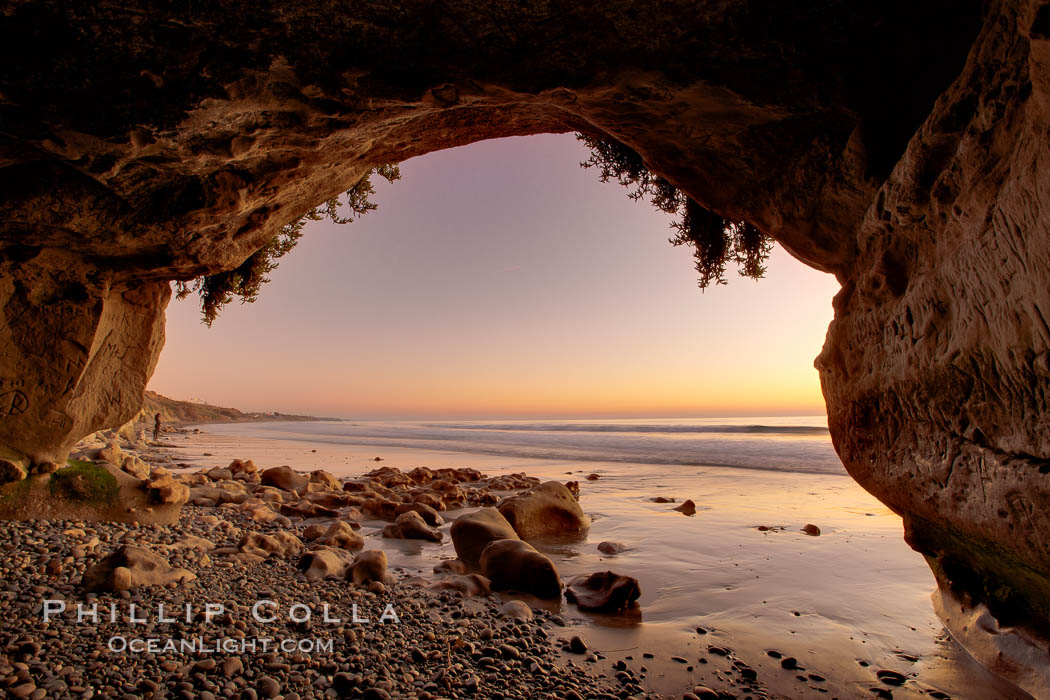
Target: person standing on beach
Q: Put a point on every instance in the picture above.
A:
(156, 427)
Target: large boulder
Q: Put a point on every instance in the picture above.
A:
(369, 567)
(389, 476)
(111, 453)
(269, 494)
(451, 566)
(357, 485)
(322, 478)
(327, 499)
(472, 532)
(612, 548)
(219, 493)
(284, 478)
(341, 535)
(195, 479)
(130, 567)
(190, 542)
(450, 493)
(467, 585)
(515, 481)
(163, 490)
(603, 591)
(686, 508)
(516, 610)
(242, 467)
(458, 474)
(427, 512)
(13, 465)
(314, 532)
(92, 491)
(307, 509)
(379, 508)
(219, 474)
(280, 543)
(421, 475)
(325, 562)
(131, 464)
(263, 513)
(513, 565)
(547, 509)
(410, 526)
(428, 499)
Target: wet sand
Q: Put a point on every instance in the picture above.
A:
(846, 604)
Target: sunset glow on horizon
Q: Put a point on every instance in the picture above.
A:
(503, 280)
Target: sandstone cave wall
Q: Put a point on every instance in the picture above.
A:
(937, 364)
(76, 351)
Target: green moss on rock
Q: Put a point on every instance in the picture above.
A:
(84, 481)
(15, 492)
(979, 570)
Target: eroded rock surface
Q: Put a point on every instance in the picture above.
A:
(342, 536)
(286, 479)
(603, 590)
(472, 532)
(411, 526)
(369, 567)
(548, 509)
(326, 562)
(937, 364)
(514, 565)
(130, 567)
(76, 351)
(469, 585)
(280, 544)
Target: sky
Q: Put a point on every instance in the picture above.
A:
(501, 279)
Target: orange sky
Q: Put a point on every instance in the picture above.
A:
(501, 279)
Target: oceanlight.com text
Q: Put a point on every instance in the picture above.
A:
(119, 644)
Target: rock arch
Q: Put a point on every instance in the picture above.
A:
(902, 147)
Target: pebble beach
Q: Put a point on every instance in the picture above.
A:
(441, 645)
(239, 612)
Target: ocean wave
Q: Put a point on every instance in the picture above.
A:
(637, 428)
(800, 448)
(804, 461)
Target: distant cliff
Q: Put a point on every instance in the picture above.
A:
(172, 411)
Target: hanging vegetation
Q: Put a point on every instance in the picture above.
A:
(716, 241)
(218, 290)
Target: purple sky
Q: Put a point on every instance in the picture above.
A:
(501, 279)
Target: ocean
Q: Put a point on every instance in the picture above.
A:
(777, 443)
